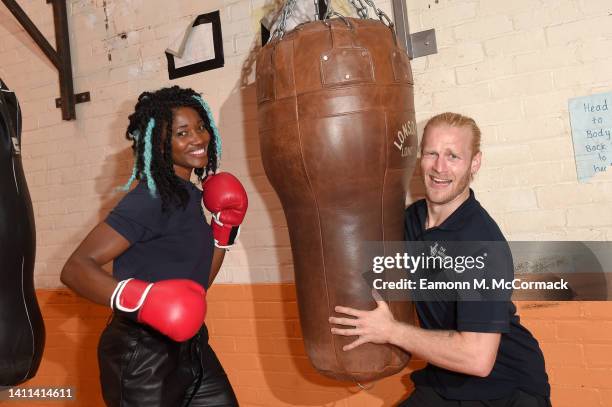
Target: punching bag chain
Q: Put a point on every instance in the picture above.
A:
(362, 11)
(360, 5)
(287, 9)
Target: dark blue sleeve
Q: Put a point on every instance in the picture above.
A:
(138, 216)
(483, 316)
(494, 311)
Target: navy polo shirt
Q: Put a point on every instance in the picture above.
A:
(177, 243)
(520, 362)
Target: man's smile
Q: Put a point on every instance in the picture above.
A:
(440, 181)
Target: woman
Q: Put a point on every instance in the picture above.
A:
(154, 351)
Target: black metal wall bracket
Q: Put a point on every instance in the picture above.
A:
(78, 98)
(60, 58)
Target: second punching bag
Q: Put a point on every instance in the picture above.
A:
(338, 143)
(22, 333)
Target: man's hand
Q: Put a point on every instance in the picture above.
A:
(376, 326)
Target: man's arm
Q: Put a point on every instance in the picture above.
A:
(472, 353)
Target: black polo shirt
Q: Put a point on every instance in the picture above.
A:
(177, 243)
(519, 362)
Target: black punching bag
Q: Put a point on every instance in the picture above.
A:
(22, 332)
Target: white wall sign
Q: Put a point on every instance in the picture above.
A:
(591, 119)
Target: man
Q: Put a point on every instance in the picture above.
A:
(478, 353)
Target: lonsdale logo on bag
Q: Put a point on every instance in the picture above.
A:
(16, 147)
(403, 137)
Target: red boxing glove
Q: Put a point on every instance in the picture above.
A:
(224, 196)
(175, 308)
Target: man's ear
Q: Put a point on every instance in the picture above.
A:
(475, 166)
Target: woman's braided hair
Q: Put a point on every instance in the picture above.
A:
(153, 153)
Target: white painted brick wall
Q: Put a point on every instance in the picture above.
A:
(510, 65)
(537, 55)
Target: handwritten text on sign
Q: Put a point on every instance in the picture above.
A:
(591, 118)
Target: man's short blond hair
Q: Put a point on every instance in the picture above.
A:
(455, 120)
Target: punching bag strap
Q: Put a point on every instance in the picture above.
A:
(346, 62)
(341, 37)
(400, 61)
(11, 118)
(7, 122)
(265, 76)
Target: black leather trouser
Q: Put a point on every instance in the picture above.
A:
(141, 367)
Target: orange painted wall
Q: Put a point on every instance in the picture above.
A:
(256, 333)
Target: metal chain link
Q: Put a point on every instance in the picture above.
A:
(330, 10)
(360, 5)
(362, 11)
(287, 10)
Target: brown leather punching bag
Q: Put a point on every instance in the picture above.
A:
(338, 142)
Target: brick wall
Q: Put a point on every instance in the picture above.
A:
(255, 332)
(511, 65)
